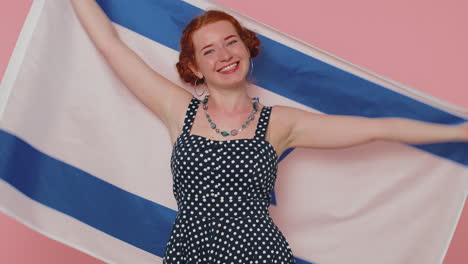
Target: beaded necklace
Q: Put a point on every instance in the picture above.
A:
(233, 132)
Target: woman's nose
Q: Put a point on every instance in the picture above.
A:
(224, 54)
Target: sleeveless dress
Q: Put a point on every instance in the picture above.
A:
(222, 189)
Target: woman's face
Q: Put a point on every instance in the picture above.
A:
(220, 54)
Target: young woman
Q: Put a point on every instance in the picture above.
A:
(224, 160)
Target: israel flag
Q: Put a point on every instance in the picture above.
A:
(84, 162)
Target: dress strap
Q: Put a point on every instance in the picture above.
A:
(190, 115)
(263, 122)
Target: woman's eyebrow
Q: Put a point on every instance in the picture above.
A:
(209, 45)
(228, 37)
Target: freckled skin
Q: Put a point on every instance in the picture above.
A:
(220, 53)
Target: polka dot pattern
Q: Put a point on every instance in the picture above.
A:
(222, 189)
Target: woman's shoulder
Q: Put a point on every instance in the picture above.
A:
(280, 124)
(286, 117)
(286, 112)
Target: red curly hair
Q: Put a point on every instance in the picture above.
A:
(187, 51)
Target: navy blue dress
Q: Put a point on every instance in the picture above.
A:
(222, 189)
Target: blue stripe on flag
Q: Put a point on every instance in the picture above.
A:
(58, 185)
(292, 74)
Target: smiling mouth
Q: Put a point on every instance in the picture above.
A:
(229, 67)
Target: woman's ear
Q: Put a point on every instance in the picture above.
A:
(195, 71)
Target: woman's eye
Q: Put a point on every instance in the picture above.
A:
(207, 52)
(232, 42)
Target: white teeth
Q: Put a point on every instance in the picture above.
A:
(230, 67)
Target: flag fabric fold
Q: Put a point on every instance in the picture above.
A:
(82, 161)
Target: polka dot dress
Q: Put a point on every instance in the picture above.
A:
(223, 190)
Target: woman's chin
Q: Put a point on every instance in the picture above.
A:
(232, 83)
(235, 80)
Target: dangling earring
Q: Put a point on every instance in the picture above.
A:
(195, 88)
(251, 67)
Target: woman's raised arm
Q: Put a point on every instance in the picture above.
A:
(304, 129)
(164, 98)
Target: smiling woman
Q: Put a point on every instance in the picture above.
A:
(232, 34)
(216, 51)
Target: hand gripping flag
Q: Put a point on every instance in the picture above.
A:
(82, 161)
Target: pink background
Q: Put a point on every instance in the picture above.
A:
(418, 43)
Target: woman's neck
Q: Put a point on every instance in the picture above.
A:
(232, 100)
